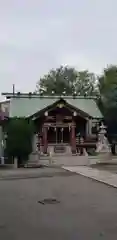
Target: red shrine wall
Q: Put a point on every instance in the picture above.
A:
(60, 126)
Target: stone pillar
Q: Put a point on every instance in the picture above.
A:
(89, 127)
(41, 145)
(1, 139)
(45, 144)
(34, 143)
(15, 163)
(73, 139)
(2, 145)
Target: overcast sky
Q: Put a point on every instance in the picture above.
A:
(37, 35)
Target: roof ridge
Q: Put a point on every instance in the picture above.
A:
(34, 95)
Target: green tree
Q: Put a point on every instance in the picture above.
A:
(108, 92)
(108, 99)
(86, 83)
(19, 139)
(69, 81)
(107, 79)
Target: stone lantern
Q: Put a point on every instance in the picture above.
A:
(103, 147)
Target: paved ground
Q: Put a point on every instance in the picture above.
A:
(102, 176)
(87, 209)
(31, 173)
(108, 167)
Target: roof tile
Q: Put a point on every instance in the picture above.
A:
(25, 107)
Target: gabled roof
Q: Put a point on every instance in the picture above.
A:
(26, 107)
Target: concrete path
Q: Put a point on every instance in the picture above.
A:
(98, 175)
(30, 173)
(86, 210)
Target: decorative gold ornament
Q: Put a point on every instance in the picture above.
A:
(75, 114)
(60, 105)
(46, 113)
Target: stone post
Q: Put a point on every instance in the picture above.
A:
(1, 147)
(73, 139)
(89, 127)
(34, 142)
(15, 163)
(45, 140)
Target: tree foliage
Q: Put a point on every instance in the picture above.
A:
(108, 91)
(69, 81)
(19, 138)
(108, 79)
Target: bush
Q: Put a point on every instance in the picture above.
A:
(19, 139)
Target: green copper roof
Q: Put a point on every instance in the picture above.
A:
(25, 107)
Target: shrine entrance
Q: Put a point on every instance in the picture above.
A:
(58, 135)
(59, 126)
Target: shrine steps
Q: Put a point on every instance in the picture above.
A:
(64, 159)
(70, 160)
(96, 159)
(57, 159)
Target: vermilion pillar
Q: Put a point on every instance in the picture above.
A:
(45, 143)
(73, 139)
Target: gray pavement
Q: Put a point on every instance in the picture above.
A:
(101, 176)
(108, 167)
(22, 173)
(87, 209)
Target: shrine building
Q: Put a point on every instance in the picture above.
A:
(58, 119)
